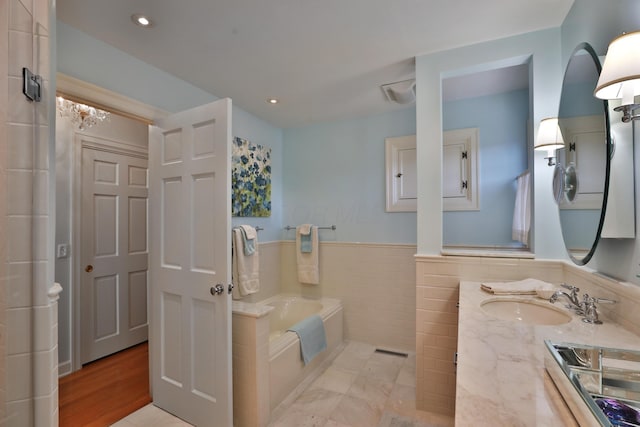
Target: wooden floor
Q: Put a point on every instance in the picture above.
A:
(106, 390)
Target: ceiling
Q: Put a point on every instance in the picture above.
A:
(324, 60)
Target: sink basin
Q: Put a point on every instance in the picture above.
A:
(525, 311)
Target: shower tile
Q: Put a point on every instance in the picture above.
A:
(19, 17)
(21, 110)
(20, 192)
(402, 400)
(20, 52)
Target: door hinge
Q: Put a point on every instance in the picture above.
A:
(464, 154)
(572, 146)
(464, 184)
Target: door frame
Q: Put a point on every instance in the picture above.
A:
(81, 91)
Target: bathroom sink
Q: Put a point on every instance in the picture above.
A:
(525, 311)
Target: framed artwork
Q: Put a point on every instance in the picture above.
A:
(250, 179)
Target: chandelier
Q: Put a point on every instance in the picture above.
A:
(81, 115)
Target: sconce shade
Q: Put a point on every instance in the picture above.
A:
(620, 76)
(549, 135)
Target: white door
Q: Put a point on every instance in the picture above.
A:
(190, 252)
(114, 252)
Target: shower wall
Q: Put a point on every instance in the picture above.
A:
(28, 331)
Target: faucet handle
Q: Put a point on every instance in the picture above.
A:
(570, 287)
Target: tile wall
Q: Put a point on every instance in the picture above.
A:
(376, 284)
(437, 285)
(29, 335)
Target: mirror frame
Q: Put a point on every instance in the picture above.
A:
(596, 61)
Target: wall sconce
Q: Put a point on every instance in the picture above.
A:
(620, 76)
(549, 138)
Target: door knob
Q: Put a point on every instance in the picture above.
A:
(217, 289)
(88, 268)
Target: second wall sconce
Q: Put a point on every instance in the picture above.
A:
(549, 138)
(620, 76)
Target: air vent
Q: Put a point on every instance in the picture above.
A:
(392, 353)
(403, 92)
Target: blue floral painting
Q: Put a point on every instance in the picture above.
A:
(250, 179)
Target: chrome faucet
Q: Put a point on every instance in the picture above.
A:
(574, 302)
(590, 309)
(586, 308)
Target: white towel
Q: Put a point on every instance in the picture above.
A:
(245, 269)
(308, 268)
(521, 287)
(522, 209)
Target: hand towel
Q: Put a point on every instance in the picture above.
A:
(308, 268)
(245, 268)
(313, 339)
(521, 287)
(522, 209)
(306, 239)
(249, 239)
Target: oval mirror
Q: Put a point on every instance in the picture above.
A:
(583, 164)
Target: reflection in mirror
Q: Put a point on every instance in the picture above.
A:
(583, 162)
(493, 107)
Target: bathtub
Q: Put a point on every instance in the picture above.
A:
(286, 369)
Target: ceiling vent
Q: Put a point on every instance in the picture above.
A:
(403, 92)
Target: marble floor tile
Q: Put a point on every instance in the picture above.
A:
(151, 415)
(371, 389)
(383, 367)
(316, 401)
(295, 418)
(334, 379)
(361, 388)
(356, 412)
(402, 401)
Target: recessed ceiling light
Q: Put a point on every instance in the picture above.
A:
(272, 100)
(141, 20)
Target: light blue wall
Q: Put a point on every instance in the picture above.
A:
(502, 123)
(542, 50)
(335, 174)
(598, 22)
(93, 61)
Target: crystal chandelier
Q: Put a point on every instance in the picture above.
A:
(81, 115)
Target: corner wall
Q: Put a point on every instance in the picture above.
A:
(29, 338)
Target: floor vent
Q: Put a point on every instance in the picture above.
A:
(392, 353)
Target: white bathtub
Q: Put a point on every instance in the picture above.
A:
(285, 363)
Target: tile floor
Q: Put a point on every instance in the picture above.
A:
(361, 388)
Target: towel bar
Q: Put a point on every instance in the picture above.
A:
(328, 227)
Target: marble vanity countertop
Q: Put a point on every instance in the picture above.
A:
(501, 379)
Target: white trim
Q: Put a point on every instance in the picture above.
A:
(105, 98)
(64, 369)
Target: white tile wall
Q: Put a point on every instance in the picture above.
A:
(29, 325)
(376, 284)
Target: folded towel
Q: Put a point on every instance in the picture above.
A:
(249, 239)
(245, 268)
(306, 238)
(312, 337)
(308, 268)
(521, 287)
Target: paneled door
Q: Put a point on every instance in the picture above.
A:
(114, 251)
(190, 260)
